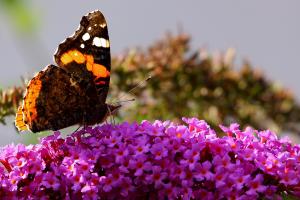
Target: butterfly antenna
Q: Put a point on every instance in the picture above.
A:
(110, 115)
(140, 84)
(125, 101)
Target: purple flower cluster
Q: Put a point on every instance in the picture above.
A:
(159, 160)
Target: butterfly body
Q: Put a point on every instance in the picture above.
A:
(75, 91)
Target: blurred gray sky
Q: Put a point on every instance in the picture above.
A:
(265, 32)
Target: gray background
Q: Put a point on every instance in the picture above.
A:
(265, 32)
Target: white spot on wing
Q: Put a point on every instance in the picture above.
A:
(86, 36)
(90, 28)
(82, 45)
(100, 42)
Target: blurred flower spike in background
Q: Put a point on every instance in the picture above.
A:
(153, 161)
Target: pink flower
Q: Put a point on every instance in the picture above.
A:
(126, 186)
(89, 192)
(203, 171)
(50, 181)
(220, 177)
(223, 161)
(267, 136)
(180, 132)
(290, 178)
(140, 148)
(17, 163)
(78, 180)
(175, 146)
(114, 139)
(186, 191)
(270, 192)
(15, 177)
(121, 153)
(231, 130)
(108, 182)
(159, 151)
(157, 160)
(156, 177)
(170, 191)
(256, 185)
(116, 177)
(204, 194)
(247, 154)
(139, 164)
(240, 178)
(191, 158)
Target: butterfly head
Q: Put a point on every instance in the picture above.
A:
(112, 109)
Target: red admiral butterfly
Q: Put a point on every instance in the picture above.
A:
(75, 91)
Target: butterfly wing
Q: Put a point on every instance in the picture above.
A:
(53, 100)
(86, 54)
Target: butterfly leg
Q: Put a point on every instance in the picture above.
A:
(84, 120)
(77, 129)
(106, 119)
(112, 119)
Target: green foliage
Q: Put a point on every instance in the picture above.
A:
(193, 83)
(9, 101)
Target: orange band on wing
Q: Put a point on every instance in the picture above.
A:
(98, 70)
(72, 55)
(89, 62)
(29, 106)
(66, 59)
(77, 56)
(19, 121)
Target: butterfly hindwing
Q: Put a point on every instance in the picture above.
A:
(86, 54)
(53, 100)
